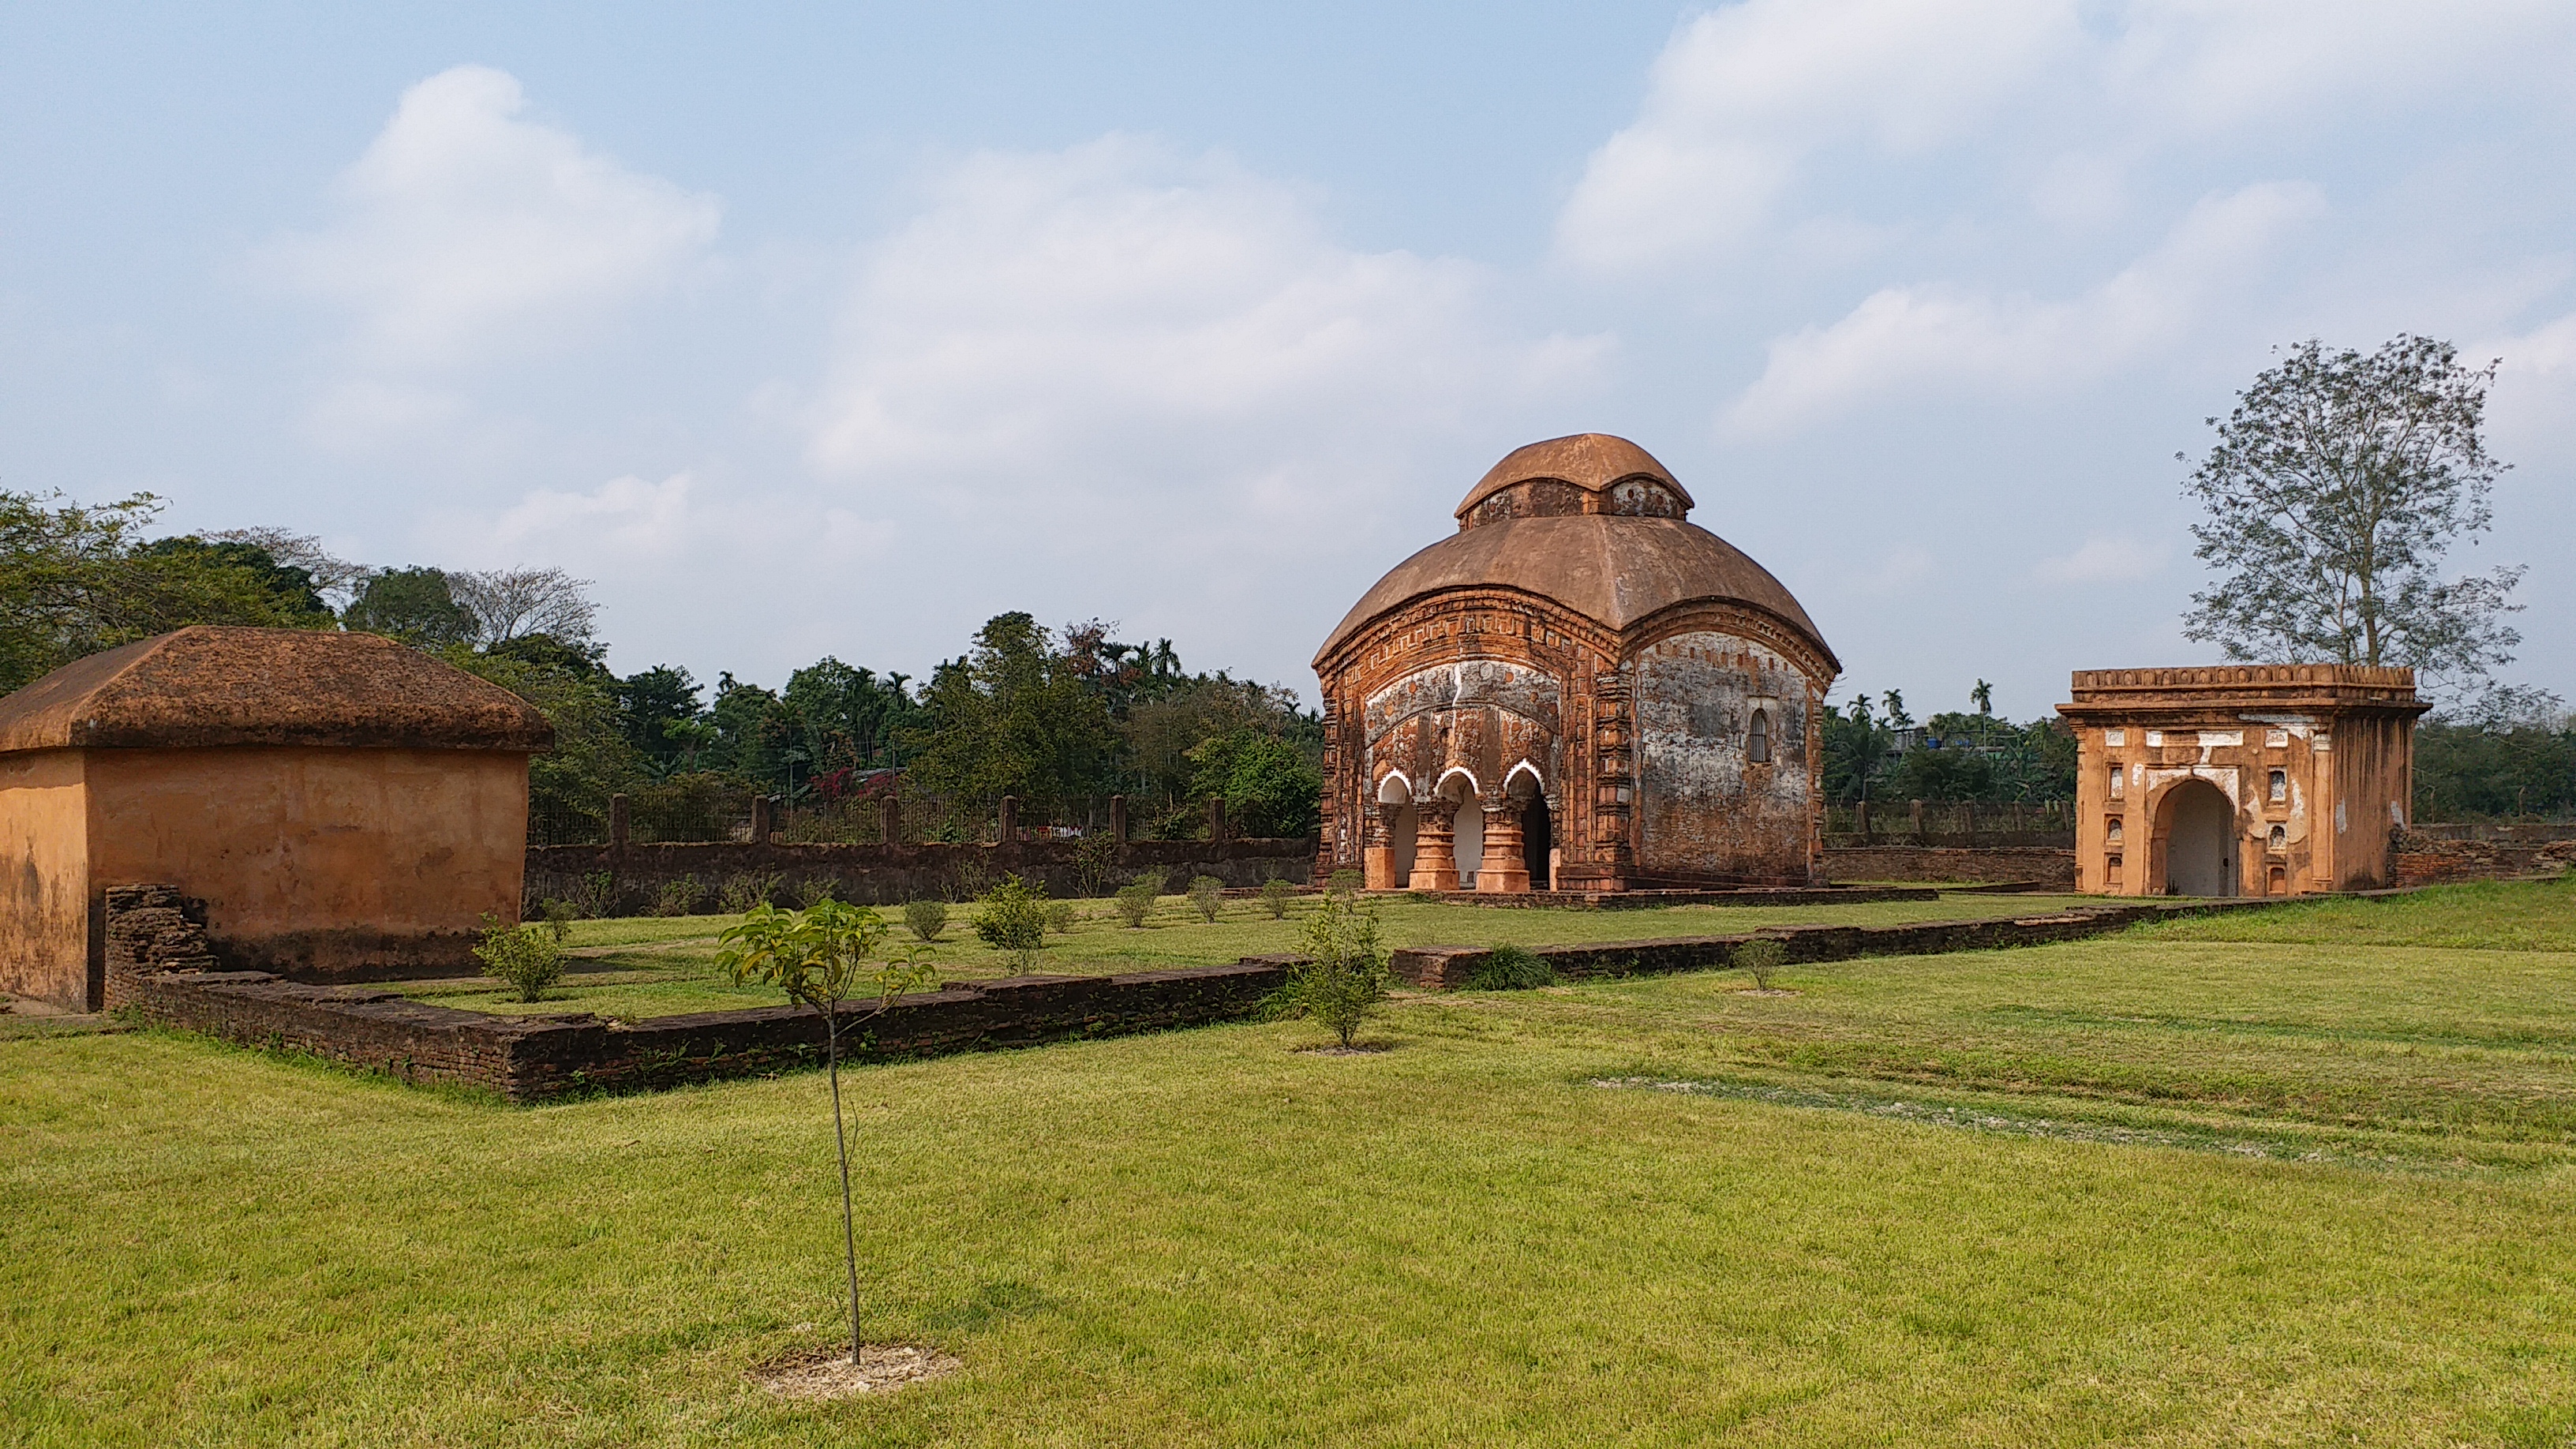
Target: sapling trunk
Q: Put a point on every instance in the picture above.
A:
(841, 1139)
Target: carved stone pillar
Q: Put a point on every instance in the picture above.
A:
(1504, 867)
(1435, 846)
(1377, 853)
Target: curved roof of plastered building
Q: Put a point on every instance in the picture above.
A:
(211, 685)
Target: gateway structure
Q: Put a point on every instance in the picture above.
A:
(2241, 779)
(1579, 690)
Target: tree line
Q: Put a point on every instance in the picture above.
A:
(1875, 750)
(1056, 717)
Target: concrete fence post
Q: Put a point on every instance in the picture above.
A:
(1010, 818)
(1118, 819)
(618, 822)
(1914, 812)
(890, 818)
(1860, 821)
(1216, 818)
(764, 818)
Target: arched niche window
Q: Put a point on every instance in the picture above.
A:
(1757, 740)
(2278, 841)
(2280, 784)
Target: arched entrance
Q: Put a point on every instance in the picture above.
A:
(2196, 840)
(1536, 836)
(1468, 843)
(1390, 865)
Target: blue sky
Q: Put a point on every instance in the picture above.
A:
(837, 330)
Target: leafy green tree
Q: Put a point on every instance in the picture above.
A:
(1013, 717)
(414, 605)
(849, 716)
(820, 958)
(657, 710)
(1855, 752)
(290, 590)
(2497, 766)
(569, 785)
(76, 579)
(1270, 786)
(2338, 484)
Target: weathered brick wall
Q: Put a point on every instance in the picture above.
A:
(1442, 967)
(1935, 863)
(2417, 859)
(150, 929)
(528, 1058)
(893, 874)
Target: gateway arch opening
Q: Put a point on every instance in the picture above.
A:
(2199, 836)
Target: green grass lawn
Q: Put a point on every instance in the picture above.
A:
(658, 966)
(2145, 1189)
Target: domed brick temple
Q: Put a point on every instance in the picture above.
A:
(1580, 690)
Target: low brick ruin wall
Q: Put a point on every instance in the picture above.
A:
(1991, 864)
(2416, 859)
(1447, 967)
(877, 875)
(530, 1058)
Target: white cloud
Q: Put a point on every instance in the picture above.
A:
(467, 231)
(1117, 335)
(2104, 560)
(625, 518)
(1949, 339)
(1744, 96)
(1755, 105)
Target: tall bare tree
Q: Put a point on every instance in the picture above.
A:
(2337, 485)
(509, 603)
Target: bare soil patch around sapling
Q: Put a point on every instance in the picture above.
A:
(817, 1374)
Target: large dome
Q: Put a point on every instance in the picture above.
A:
(1616, 568)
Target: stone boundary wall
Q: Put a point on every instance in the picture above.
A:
(1447, 967)
(1990, 864)
(879, 875)
(531, 1058)
(2416, 859)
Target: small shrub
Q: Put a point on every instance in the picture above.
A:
(597, 896)
(1012, 917)
(742, 891)
(925, 918)
(1135, 903)
(1343, 977)
(526, 958)
(559, 916)
(1347, 881)
(1762, 958)
(1207, 896)
(815, 890)
(1511, 968)
(1060, 917)
(1275, 894)
(1095, 857)
(678, 897)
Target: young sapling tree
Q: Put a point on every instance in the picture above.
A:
(1343, 977)
(822, 956)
